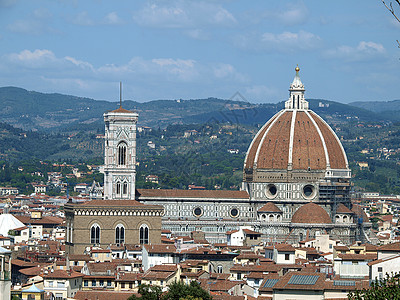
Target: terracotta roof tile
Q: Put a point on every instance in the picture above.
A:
(311, 213)
(270, 207)
(342, 209)
(160, 193)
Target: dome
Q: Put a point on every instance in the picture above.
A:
(296, 138)
(342, 209)
(269, 207)
(357, 209)
(311, 213)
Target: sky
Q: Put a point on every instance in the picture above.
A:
(177, 49)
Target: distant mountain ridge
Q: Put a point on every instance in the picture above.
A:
(32, 110)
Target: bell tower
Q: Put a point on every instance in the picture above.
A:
(120, 154)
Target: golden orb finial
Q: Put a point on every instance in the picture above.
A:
(297, 68)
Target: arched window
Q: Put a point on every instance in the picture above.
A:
(120, 234)
(144, 234)
(219, 269)
(125, 188)
(122, 154)
(95, 234)
(118, 191)
(344, 219)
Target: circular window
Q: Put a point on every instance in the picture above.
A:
(308, 191)
(234, 212)
(271, 190)
(198, 211)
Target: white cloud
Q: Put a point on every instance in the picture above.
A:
(286, 42)
(261, 92)
(112, 18)
(198, 34)
(26, 26)
(170, 75)
(363, 51)
(294, 13)
(82, 19)
(183, 14)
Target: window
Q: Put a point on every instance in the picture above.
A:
(130, 285)
(59, 296)
(122, 154)
(379, 269)
(101, 282)
(239, 276)
(287, 256)
(119, 234)
(108, 282)
(31, 297)
(144, 234)
(60, 284)
(93, 282)
(95, 234)
(219, 269)
(86, 283)
(125, 188)
(122, 285)
(118, 191)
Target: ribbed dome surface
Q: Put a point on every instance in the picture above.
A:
(269, 207)
(298, 140)
(311, 213)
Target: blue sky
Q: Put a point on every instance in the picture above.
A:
(180, 49)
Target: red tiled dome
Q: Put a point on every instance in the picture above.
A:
(311, 213)
(269, 207)
(342, 209)
(357, 209)
(297, 139)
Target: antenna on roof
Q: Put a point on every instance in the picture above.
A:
(120, 94)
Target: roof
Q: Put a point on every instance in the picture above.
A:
(33, 289)
(301, 281)
(357, 209)
(122, 110)
(359, 257)
(160, 248)
(342, 209)
(47, 220)
(269, 207)
(9, 222)
(215, 194)
(390, 247)
(63, 274)
(102, 295)
(383, 260)
(248, 231)
(308, 139)
(311, 213)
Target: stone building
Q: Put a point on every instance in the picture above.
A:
(119, 218)
(296, 184)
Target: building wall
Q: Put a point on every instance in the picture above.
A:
(82, 225)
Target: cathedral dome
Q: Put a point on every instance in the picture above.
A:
(296, 138)
(311, 213)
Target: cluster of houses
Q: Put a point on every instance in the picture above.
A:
(35, 265)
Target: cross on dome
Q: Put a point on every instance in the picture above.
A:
(296, 99)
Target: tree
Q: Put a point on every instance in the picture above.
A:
(179, 290)
(386, 288)
(148, 292)
(393, 12)
(176, 291)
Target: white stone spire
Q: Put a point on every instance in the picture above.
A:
(296, 99)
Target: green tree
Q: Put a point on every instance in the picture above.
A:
(148, 292)
(179, 290)
(386, 288)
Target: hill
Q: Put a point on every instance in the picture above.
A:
(35, 111)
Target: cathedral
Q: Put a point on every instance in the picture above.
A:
(296, 184)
